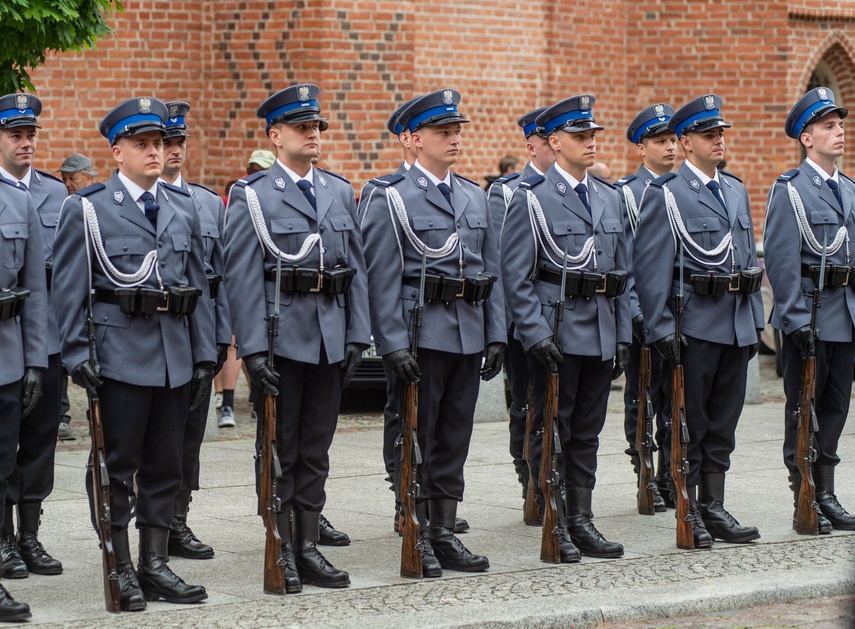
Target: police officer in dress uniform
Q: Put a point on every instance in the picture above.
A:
(443, 220)
(23, 327)
(32, 480)
(714, 259)
(138, 243)
(568, 212)
(541, 157)
(657, 147)
(306, 216)
(810, 208)
(182, 541)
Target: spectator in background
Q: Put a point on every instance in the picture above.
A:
(259, 160)
(601, 170)
(507, 165)
(76, 172)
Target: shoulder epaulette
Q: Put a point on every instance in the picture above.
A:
(625, 180)
(198, 185)
(531, 181)
(172, 188)
(724, 172)
(387, 180)
(49, 176)
(603, 181)
(662, 180)
(506, 178)
(465, 179)
(85, 192)
(332, 174)
(250, 178)
(14, 184)
(787, 176)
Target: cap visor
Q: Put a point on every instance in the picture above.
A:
(306, 117)
(22, 122)
(706, 125)
(577, 126)
(443, 119)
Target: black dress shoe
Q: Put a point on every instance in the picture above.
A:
(35, 556)
(431, 568)
(130, 594)
(13, 566)
(10, 609)
(834, 512)
(329, 536)
(589, 540)
(157, 581)
(721, 525)
(452, 554)
(293, 584)
(315, 569)
(184, 543)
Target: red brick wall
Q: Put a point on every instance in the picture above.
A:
(505, 57)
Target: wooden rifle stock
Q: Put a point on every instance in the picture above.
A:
(271, 472)
(531, 513)
(679, 458)
(411, 557)
(806, 517)
(101, 500)
(644, 436)
(549, 550)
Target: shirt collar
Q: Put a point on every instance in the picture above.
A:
(26, 179)
(136, 191)
(536, 169)
(436, 180)
(822, 172)
(178, 183)
(701, 175)
(570, 179)
(310, 176)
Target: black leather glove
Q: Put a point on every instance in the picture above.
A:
(32, 389)
(200, 385)
(264, 377)
(350, 363)
(222, 357)
(804, 340)
(669, 348)
(621, 360)
(88, 377)
(753, 349)
(638, 328)
(494, 358)
(548, 353)
(403, 364)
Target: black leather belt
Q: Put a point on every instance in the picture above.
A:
(307, 280)
(587, 283)
(446, 288)
(710, 284)
(177, 300)
(836, 275)
(11, 300)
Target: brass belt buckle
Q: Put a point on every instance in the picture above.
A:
(462, 287)
(319, 285)
(733, 285)
(163, 306)
(601, 284)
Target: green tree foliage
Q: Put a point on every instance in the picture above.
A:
(29, 29)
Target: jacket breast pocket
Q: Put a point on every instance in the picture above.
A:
(701, 227)
(823, 217)
(126, 252)
(290, 230)
(181, 247)
(342, 225)
(611, 229)
(477, 228)
(431, 229)
(14, 244)
(577, 229)
(210, 234)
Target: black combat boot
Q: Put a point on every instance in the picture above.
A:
(13, 567)
(286, 556)
(700, 535)
(583, 533)
(156, 580)
(521, 468)
(460, 525)
(449, 550)
(329, 536)
(823, 477)
(130, 594)
(10, 609)
(32, 552)
(182, 541)
(720, 524)
(311, 564)
(823, 524)
(658, 501)
(569, 552)
(431, 568)
(663, 481)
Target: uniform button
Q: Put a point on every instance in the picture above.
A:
(105, 318)
(325, 249)
(413, 294)
(464, 246)
(162, 264)
(430, 223)
(458, 224)
(599, 252)
(596, 232)
(125, 248)
(738, 266)
(705, 224)
(321, 230)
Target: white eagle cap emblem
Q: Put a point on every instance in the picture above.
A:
(822, 93)
(709, 101)
(22, 100)
(447, 97)
(585, 102)
(118, 196)
(696, 185)
(561, 187)
(144, 105)
(173, 110)
(303, 93)
(659, 111)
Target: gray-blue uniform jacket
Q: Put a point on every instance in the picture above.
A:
(591, 327)
(731, 318)
(212, 215)
(369, 188)
(48, 195)
(154, 351)
(631, 188)
(23, 338)
(307, 320)
(786, 253)
(460, 327)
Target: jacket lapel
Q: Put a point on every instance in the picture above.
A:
(166, 211)
(459, 197)
(323, 196)
(37, 191)
(705, 196)
(128, 208)
(291, 194)
(598, 203)
(731, 199)
(571, 200)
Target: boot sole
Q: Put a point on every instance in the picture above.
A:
(157, 596)
(446, 566)
(14, 575)
(184, 555)
(16, 617)
(328, 542)
(326, 584)
(293, 589)
(48, 572)
(136, 607)
(734, 540)
(596, 555)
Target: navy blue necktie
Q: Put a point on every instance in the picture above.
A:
(712, 184)
(836, 190)
(150, 207)
(582, 191)
(446, 192)
(306, 187)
